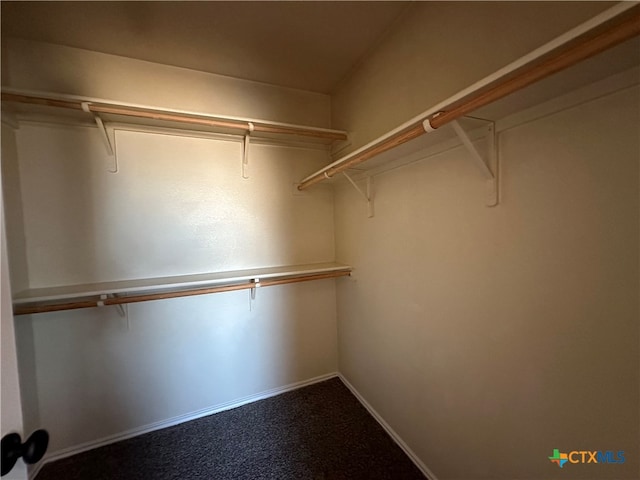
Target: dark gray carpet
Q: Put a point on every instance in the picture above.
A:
(320, 432)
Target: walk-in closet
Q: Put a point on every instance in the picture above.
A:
(428, 209)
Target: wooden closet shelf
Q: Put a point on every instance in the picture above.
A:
(72, 297)
(614, 31)
(24, 103)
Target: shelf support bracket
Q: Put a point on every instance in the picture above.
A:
(368, 196)
(118, 306)
(252, 296)
(245, 151)
(101, 128)
(488, 167)
(256, 283)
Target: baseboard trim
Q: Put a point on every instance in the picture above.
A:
(67, 452)
(396, 438)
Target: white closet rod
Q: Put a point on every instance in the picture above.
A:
(157, 114)
(565, 54)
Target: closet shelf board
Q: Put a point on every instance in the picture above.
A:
(178, 284)
(604, 46)
(48, 106)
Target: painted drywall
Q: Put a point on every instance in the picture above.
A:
(82, 72)
(177, 205)
(10, 405)
(18, 273)
(100, 375)
(437, 49)
(487, 337)
(13, 216)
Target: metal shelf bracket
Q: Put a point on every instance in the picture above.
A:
(488, 164)
(119, 307)
(101, 127)
(256, 283)
(368, 196)
(245, 151)
(104, 134)
(252, 294)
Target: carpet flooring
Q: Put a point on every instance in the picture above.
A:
(319, 432)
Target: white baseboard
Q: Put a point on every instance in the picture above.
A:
(67, 452)
(396, 438)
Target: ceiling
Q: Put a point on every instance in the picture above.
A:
(306, 45)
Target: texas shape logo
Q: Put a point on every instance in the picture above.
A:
(559, 458)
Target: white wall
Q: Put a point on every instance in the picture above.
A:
(439, 48)
(486, 337)
(178, 205)
(13, 216)
(54, 68)
(98, 377)
(18, 274)
(10, 405)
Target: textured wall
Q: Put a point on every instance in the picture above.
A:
(440, 48)
(176, 206)
(11, 398)
(487, 337)
(82, 72)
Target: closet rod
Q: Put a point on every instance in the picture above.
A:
(24, 310)
(554, 63)
(172, 117)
